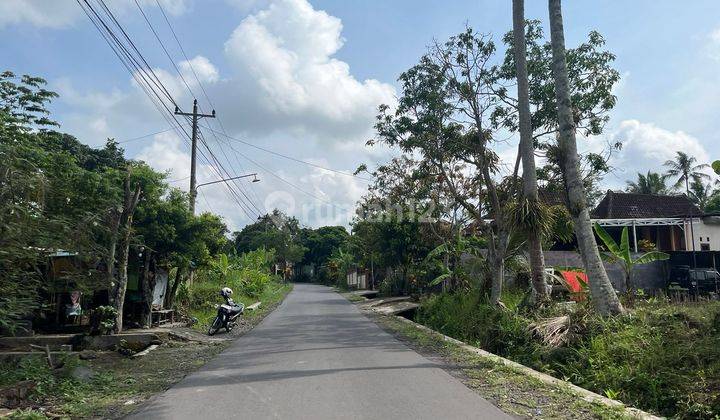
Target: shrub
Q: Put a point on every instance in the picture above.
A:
(102, 320)
(660, 357)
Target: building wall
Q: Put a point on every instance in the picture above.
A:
(649, 277)
(706, 231)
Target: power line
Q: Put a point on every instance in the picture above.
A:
(130, 62)
(291, 158)
(205, 94)
(138, 67)
(136, 64)
(162, 45)
(146, 136)
(283, 180)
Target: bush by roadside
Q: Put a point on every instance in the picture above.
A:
(110, 384)
(659, 357)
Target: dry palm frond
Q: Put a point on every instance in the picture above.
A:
(553, 331)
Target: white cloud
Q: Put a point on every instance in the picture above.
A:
(283, 90)
(201, 67)
(166, 154)
(283, 66)
(713, 46)
(646, 147)
(58, 14)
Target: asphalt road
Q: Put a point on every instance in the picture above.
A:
(317, 357)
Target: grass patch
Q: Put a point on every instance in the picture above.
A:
(513, 392)
(659, 357)
(272, 294)
(116, 386)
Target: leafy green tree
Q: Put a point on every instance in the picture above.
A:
(700, 192)
(713, 204)
(340, 263)
(650, 183)
(685, 168)
(273, 231)
(321, 243)
(42, 208)
(591, 78)
(621, 254)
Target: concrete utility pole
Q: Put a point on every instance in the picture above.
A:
(195, 118)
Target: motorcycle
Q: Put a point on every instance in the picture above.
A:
(227, 314)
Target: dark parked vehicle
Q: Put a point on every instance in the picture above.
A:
(697, 280)
(227, 314)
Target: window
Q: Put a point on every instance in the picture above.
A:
(697, 275)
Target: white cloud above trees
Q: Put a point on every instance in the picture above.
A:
(282, 88)
(646, 147)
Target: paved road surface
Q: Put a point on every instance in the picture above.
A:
(317, 357)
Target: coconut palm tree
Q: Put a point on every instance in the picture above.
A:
(684, 168)
(651, 183)
(527, 151)
(603, 295)
(700, 192)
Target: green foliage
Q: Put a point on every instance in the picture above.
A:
(49, 200)
(272, 231)
(247, 274)
(685, 168)
(472, 317)
(102, 320)
(57, 194)
(621, 253)
(531, 216)
(321, 243)
(713, 204)
(661, 358)
(651, 183)
(339, 265)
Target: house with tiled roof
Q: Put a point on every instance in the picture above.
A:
(670, 222)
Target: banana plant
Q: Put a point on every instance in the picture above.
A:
(621, 253)
(454, 249)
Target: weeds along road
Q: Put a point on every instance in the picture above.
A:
(317, 357)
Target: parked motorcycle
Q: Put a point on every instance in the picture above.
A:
(227, 314)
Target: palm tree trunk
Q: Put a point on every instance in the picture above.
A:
(497, 278)
(603, 295)
(527, 150)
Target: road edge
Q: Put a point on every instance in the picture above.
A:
(582, 393)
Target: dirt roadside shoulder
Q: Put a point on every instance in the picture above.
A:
(113, 385)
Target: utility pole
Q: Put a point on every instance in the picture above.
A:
(193, 155)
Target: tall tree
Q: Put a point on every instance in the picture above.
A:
(527, 153)
(650, 183)
(444, 118)
(604, 297)
(684, 168)
(123, 235)
(700, 192)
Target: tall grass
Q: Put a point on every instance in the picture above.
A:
(660, 357)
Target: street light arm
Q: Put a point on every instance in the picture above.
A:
(229, 179)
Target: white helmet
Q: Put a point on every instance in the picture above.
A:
(226, 292)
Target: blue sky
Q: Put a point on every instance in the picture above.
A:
(304, 79)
